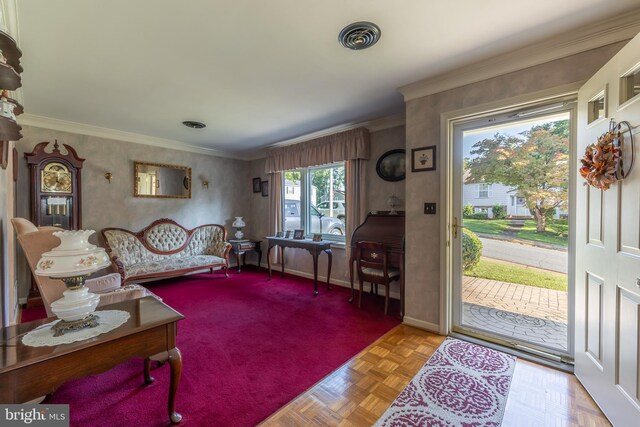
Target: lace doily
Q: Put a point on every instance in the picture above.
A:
(43, 335)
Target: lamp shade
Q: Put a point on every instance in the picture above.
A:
(74, 256)
(238, 223)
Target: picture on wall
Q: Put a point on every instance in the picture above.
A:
(265, 188)
(423, 159)
(257, 185)
(391, 165)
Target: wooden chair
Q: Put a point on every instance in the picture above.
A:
(371, 264)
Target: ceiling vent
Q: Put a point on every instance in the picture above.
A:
(359, 35)
(194, 125)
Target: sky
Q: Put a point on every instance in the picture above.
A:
(470, 137)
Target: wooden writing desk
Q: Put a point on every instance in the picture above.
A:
(314, 248)
(29, 372)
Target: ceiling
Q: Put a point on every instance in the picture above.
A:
(260, 72)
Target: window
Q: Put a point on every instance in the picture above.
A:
(484, 191)
(314, 201)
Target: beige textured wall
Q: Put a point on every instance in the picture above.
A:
(378, 190)
(113, 205)
(423, 246)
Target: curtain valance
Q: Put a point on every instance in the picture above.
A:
(348, 145)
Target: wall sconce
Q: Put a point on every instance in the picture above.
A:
(108, 176)
(205, 184)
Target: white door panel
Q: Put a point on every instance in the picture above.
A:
(607, 353)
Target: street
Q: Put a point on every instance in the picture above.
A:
(533, 256)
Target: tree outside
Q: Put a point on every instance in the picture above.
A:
(534, 162)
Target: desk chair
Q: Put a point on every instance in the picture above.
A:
(371, 264)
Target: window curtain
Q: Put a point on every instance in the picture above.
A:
(275, 207)
(348, 145)
(356, 206)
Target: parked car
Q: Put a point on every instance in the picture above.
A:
(339, 209)
(319, 223)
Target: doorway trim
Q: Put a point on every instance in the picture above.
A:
(447, 121)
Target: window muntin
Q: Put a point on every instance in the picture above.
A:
(484, 191)
(314, 201)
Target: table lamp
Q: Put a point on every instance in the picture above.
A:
(393, 202)
(238, 224)
(72, 262)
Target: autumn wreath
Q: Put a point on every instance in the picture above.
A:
(602, 161)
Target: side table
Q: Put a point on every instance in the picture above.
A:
(241, 247)
(314, 248)
(28, 372)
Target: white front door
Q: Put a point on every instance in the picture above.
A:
(607, 353)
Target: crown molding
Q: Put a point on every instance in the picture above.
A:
(136, 138)
(372, 125)
(613, 30)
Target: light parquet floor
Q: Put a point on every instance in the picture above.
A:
(358, 393)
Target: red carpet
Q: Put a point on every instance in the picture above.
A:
(249, 346)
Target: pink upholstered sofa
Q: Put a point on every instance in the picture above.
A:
(165, 249)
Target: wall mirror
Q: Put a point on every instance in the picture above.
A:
(158, 180)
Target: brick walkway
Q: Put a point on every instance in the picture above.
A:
(524, 312)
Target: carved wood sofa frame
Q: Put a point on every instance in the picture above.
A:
(148, 254)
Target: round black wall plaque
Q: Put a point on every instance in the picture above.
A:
(391, 165)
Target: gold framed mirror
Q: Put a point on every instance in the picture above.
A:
(161, 181)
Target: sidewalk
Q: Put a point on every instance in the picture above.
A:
(523, 312)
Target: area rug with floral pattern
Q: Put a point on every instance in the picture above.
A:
(462, 384)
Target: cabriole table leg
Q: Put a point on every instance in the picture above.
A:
(175, 362)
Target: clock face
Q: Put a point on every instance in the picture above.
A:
(56, 178)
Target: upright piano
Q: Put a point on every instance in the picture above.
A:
(380, 226)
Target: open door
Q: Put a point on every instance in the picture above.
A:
(607, 339)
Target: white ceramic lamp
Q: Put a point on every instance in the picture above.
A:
(393, 202)
(72, 261)
(238, 224)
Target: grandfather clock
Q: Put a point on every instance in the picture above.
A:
(54, 181)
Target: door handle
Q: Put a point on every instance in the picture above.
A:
(455, 226)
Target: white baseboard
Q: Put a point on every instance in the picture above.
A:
(323, 279)
(421, 324)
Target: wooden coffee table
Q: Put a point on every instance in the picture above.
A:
(29, 372)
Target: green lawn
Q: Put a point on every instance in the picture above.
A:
(514, 273)
(486, 226)
(528, 232)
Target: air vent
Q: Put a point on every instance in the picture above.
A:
(359, 35)
(194, 125)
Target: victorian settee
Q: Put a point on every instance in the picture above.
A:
(165, 249)
(34, 241)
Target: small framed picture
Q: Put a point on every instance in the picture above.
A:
(279, 234)
(265, 188)
(257, 185)
(298, 234)
(287, 235)
(423, 159)
(317, 237)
